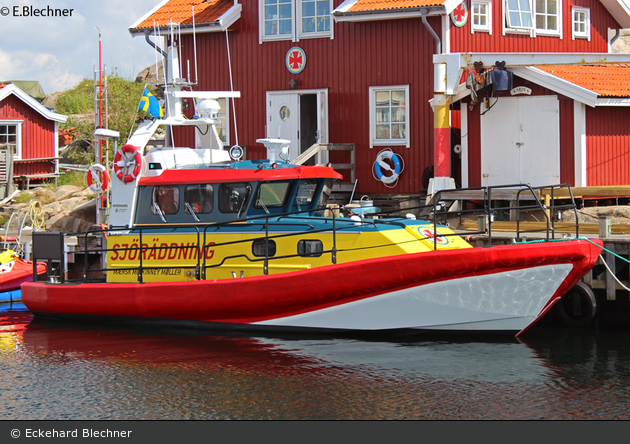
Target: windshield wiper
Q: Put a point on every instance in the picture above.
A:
(156, 207)
(192, 212)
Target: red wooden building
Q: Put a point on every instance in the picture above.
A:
(29, 135)
(362, 72)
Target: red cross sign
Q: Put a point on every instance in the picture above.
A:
(459, 16)
(295, 60)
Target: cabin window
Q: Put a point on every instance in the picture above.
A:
(306, 191)
(165, 200)
(389, 116)
(481, 16)
(264, 248)
(10, 139)
(198, 199)
(581, 23)
(233, 197)
(548, 17)
(310, 248)
(272, 195)
(294, 19)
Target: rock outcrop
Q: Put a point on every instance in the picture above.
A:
(68, 209)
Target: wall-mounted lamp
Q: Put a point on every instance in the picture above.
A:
(293, 84)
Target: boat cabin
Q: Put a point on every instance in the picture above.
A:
(227, 192)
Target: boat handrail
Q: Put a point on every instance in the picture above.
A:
(549, 208)
(437, 211)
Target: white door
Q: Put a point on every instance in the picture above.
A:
(298, 116)
(283, 120)
(520, 141)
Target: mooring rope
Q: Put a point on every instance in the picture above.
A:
(588, 240)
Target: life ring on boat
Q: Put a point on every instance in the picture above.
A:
(578, 307)
(380, 165)
(123, 167)
(97, 178)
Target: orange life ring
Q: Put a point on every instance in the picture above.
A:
(97, 178)
(123, 163)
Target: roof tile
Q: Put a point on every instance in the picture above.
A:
(384, 5)
(180, 11)
(605, 80)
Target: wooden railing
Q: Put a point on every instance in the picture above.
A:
(321, 150)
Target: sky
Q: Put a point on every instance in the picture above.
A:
(61, 51)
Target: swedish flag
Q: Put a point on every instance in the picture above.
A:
(150, 104)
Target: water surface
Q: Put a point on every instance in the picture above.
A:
(53, 371)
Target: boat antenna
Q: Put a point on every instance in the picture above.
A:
(227, 41)
(179, 52)
(194, 42)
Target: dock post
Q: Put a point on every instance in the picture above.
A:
(605, 227)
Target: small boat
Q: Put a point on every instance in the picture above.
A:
(14, 271)
(198, 237)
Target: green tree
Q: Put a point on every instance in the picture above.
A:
(123, 96)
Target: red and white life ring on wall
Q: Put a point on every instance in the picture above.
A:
(97, 178)
(127, 162)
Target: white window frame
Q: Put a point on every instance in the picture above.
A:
(509, 28)
(316, 34)
(587, 23)
(488, 15)
(372, 103)
(297, 32)
(18, 135)
(507, 20)
(549, 32)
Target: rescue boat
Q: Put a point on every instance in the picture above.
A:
(198, 237)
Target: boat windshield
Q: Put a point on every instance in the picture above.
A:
(272, 195)
(233, 197)
(306, 191)
(165, 199)
(198, 199)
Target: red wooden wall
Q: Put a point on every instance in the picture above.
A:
(38, 135)
(608, 142)
(463, 41)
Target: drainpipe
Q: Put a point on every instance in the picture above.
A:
(153, 45)
(441, 123)
(438, 43)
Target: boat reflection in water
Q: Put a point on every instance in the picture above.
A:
(62, 371)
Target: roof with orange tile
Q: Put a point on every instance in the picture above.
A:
(605, 80)
(386, 5)
(181, 11)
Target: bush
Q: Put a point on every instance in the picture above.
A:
(123, 97)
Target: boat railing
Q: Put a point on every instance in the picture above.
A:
(524, 199)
